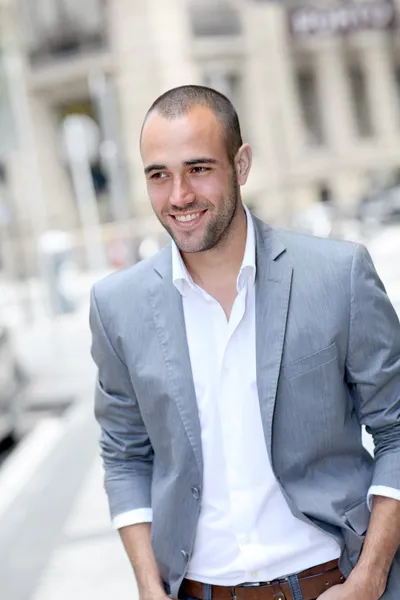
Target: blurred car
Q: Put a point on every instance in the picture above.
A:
(12, 384)
(382, 206)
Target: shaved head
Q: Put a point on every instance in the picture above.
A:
(179, 101)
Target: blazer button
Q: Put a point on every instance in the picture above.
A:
(185, 555)
(196, 492)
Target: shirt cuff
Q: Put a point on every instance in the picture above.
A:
(133, 517)
(382, 490)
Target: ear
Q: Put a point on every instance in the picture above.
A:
(243, 160)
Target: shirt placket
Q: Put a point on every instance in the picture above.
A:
(226, 392)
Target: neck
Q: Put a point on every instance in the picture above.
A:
(222, 263)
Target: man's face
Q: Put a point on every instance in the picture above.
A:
(191, 184)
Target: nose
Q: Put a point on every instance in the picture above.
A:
(181, 193)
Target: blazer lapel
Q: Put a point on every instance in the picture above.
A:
(273, 285)
(166, 303)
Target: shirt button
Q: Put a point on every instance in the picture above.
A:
(185, 555)
(196, 492)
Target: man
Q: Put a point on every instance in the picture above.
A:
(235, 369)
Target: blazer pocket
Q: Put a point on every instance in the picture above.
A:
(318, 359)
(358, 517)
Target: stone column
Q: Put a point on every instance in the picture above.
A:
(274, 121)
(171, 39)
(335, 97)
(382, 93)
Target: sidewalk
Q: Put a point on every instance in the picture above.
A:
(90, 563)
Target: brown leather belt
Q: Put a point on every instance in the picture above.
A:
(313, 582)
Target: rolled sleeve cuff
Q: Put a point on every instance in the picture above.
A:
(133, 517)
(382, 490)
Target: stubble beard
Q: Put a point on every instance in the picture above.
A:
(216, 230)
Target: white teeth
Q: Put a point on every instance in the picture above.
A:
(185, 218)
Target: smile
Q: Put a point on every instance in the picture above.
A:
(187, 218)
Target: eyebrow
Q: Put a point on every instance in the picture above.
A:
(186, 163)
(154, 168)
(200, 161)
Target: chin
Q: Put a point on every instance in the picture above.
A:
(189, 248)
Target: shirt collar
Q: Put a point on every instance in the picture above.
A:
(180, 274)
(181, 277)
(249, 259)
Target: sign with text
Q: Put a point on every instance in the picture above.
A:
(342, 19)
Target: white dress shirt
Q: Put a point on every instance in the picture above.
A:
(246, 531)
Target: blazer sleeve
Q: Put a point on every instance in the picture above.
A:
(125, 446)
(373, 366)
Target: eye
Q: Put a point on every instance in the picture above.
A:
(200, 169)
(158, 176)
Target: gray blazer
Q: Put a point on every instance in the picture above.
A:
(328, 359)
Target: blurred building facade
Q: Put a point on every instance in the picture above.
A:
(317, 90)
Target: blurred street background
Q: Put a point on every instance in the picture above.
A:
(317, 88)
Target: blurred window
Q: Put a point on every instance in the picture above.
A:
(324, 193)
(359, 93)
(59, 27)
(310, 107)
(214, 18)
